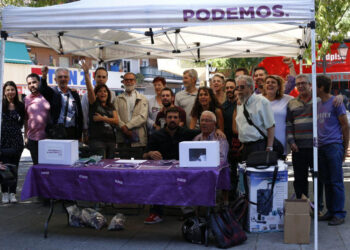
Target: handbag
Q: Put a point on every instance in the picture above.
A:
(193, 230)
(262, 159)
(277, 145)
(7, 175)
(225, 228)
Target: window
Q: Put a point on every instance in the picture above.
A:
(144, 63)
(126, 66)
(51, 61)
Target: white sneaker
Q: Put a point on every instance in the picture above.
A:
(5, 198)
(13, 198)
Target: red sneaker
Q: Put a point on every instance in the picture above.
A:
(153, 219)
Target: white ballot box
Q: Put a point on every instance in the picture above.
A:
(64, 152)
(199, 154)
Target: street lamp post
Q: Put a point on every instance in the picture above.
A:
(343, 51)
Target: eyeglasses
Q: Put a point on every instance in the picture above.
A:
(301, 84)
(129, 79)
(206, 120)
(241, 87)
(62, 76)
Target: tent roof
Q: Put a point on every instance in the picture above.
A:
(186, 29)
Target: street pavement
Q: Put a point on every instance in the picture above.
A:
(22, 227)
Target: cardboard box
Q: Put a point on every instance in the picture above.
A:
(199, 154)
(63, 152)
(268, 214)
(297, 221)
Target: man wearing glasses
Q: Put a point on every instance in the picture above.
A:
(300, 136)
(132, 108)
(208, 133)
(259, 110)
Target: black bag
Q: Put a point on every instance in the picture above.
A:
(278, 148)
(7, 175)
(262, 159)
(193, 230)
(226, 230)
(277, 145)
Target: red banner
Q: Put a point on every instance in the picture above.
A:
(334, 64)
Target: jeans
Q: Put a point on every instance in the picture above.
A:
(330, 161)
(302, 162)
(33, 148)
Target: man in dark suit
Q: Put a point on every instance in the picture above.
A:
(66, 112)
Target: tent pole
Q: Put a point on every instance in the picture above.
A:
(2, 65)
(46, 43)
(248, 37)
(206, 73)
(314, 122)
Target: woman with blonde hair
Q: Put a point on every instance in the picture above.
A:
(218, 87)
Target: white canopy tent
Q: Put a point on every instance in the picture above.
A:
(186, 29)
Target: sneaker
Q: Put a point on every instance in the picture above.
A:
(5, 198)
(335, 221)
(13, 198)
(153, 219)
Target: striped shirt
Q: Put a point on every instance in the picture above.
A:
(299, 123)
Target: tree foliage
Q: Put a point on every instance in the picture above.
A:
(332, 24)
(31, 3)
(234, 63)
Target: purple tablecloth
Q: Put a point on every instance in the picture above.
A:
(174, 186)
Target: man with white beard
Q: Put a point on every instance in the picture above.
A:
(132, 108)
(259, 110)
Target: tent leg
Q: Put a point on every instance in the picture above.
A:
(2, 65)
(315, 138)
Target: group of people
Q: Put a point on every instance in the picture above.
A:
(229, 111)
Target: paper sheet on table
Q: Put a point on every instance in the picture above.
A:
(120, 166)
(125, 161)
(154, 167)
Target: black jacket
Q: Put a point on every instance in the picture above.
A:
(53, 96)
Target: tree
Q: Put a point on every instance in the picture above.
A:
(332, 24)
(32, 3)
(231, 64)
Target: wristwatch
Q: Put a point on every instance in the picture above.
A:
(269, 148)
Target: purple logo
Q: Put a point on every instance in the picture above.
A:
(234, 13)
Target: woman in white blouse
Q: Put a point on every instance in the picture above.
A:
(274, 91)
(155, 103)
